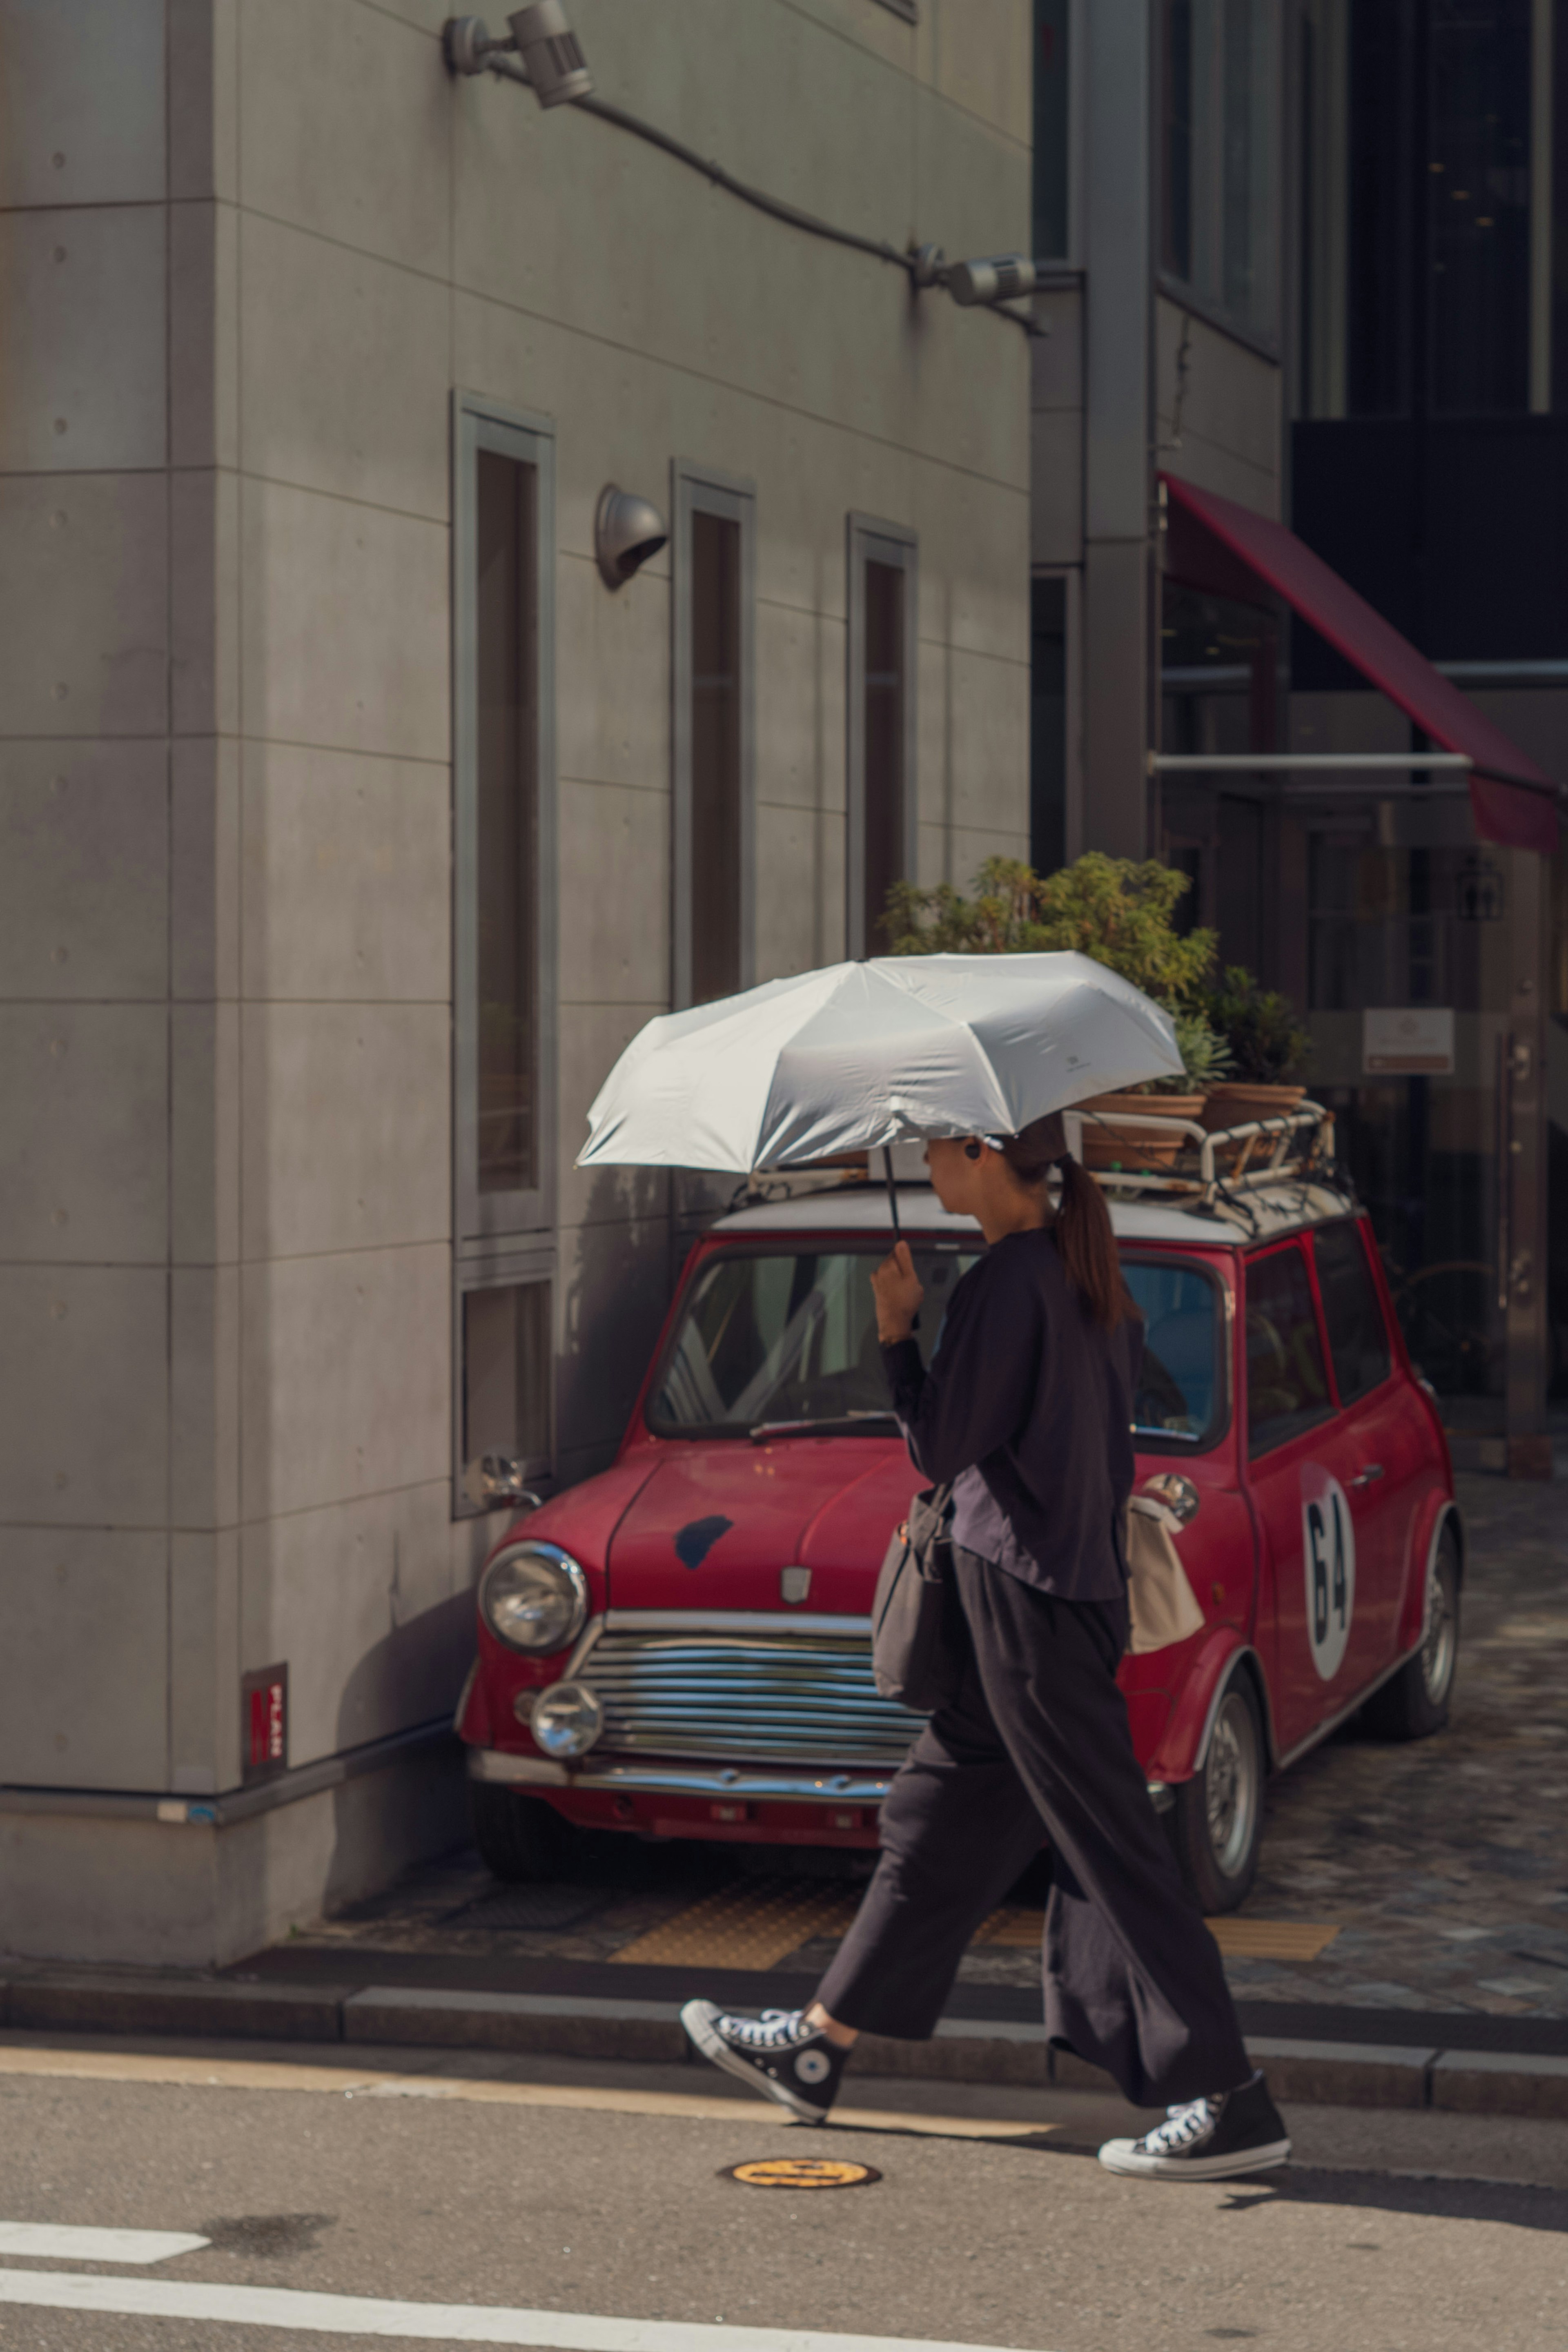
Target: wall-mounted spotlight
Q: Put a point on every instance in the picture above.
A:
(627, 531)
(997, 279)
(542, 50)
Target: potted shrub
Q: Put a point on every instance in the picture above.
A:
(1266, 1044)
(1121, 912)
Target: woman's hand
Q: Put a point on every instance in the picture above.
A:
(898, 1293)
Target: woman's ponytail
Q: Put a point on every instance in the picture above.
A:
(1082, 1227)
(1088, 1246)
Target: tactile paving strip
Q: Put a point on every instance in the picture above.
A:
(1238, 1939)
(751, 1926)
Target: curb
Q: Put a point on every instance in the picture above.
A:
(964, 2050)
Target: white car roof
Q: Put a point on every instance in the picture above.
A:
(863, 1208)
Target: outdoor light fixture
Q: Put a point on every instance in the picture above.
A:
(542, 50)
(999, 278)
(627, 531)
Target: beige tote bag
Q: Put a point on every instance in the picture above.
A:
(1163, 1606)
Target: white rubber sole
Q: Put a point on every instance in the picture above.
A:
(697, 2018)
(1125, 2156)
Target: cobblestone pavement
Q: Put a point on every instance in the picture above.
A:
(1444, 1864)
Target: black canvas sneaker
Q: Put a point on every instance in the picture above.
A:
(778, 2054)
(1208, 2139)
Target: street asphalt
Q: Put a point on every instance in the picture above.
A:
(599, 2193)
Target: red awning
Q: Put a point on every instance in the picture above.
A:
(1514, 802)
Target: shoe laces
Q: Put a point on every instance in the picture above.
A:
(774, 2030)
(1193, 2120)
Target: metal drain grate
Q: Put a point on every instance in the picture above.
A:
(524, 1907)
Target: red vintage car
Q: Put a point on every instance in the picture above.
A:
(679, 1647)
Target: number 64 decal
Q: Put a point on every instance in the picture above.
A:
(1328, 1560)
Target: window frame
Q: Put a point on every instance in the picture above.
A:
(484, 1221)
(1176, 1448)
(1190, 294)
(706, 489)
(499, 1239)
(1275, 1247)
(505, 1272)
(870, 540)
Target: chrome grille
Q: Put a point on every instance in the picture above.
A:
(797, 1697)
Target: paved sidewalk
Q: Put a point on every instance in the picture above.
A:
(1444, 1865)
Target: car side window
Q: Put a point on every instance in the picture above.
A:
(1358, 1338)
(1287, 1386)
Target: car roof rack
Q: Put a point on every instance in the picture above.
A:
(1186, 1164)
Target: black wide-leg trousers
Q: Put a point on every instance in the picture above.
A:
(1039, 1740)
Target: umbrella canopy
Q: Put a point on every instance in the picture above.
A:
(896, 1049)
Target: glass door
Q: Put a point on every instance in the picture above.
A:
(1424, 1008)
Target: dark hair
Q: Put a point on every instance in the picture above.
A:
(1082, 1226)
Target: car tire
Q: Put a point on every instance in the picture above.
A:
(519, 1838)
(1414, 1703)
(1216, 1820)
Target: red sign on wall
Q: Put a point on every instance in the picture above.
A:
(264, 1723)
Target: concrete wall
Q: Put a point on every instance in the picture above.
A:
(249, 248)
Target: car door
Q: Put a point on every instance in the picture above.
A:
(1389, 1433)
(1302, 1459)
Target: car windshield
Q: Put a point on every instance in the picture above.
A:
(1180, 1399)
(789, 1337)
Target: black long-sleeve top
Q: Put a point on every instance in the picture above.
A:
(1027, 1408)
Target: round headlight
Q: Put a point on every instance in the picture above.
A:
(567, 1719)
(534, 1597)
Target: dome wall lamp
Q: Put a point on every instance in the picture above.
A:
(627, 531)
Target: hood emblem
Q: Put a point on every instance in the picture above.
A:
(795, 1583)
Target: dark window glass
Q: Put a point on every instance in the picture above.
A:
(506, 825)
(1180, 1396)
(1047, 725)
(1479, 204)
(887, 858)
(715, 756)
(1176, 142)
(1358, 1341)
(1051, 119)
(1381, 168)
(790, 1336)
(1287, 1391)
(505, 1373)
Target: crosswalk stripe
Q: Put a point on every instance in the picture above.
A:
(67, 2241)
(449, 2323)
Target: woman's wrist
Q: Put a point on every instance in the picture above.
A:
(894, 1335)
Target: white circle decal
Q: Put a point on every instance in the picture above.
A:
(1328, 1557)
(812, 2066)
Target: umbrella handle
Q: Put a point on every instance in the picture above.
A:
(892, 1192)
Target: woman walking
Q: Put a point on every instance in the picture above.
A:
(1027, 1408)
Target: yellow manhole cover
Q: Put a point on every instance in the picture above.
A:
(800, 2172)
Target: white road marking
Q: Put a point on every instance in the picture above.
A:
(448, 2322)
(61, 2242)
(362, 2082)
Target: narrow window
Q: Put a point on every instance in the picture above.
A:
(1286, 1387)
(713, 881)
(1052, 144)
(506, 1140)
(506, 1385)
(504, 952)
(1047, 725)
(881, 801)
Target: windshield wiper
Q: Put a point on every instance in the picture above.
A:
(841, 1424)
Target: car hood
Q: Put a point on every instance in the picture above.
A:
(717, 1523)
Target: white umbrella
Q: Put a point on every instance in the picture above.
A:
(896, 1049)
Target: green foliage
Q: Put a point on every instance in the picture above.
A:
(1113, 908)
(1205, 1058)
(1259, 1026)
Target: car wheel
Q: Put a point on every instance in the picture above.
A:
(1414, 1703)
(519, 1838)
(1216, 1822)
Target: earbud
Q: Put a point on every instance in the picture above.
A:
(971, 1150)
